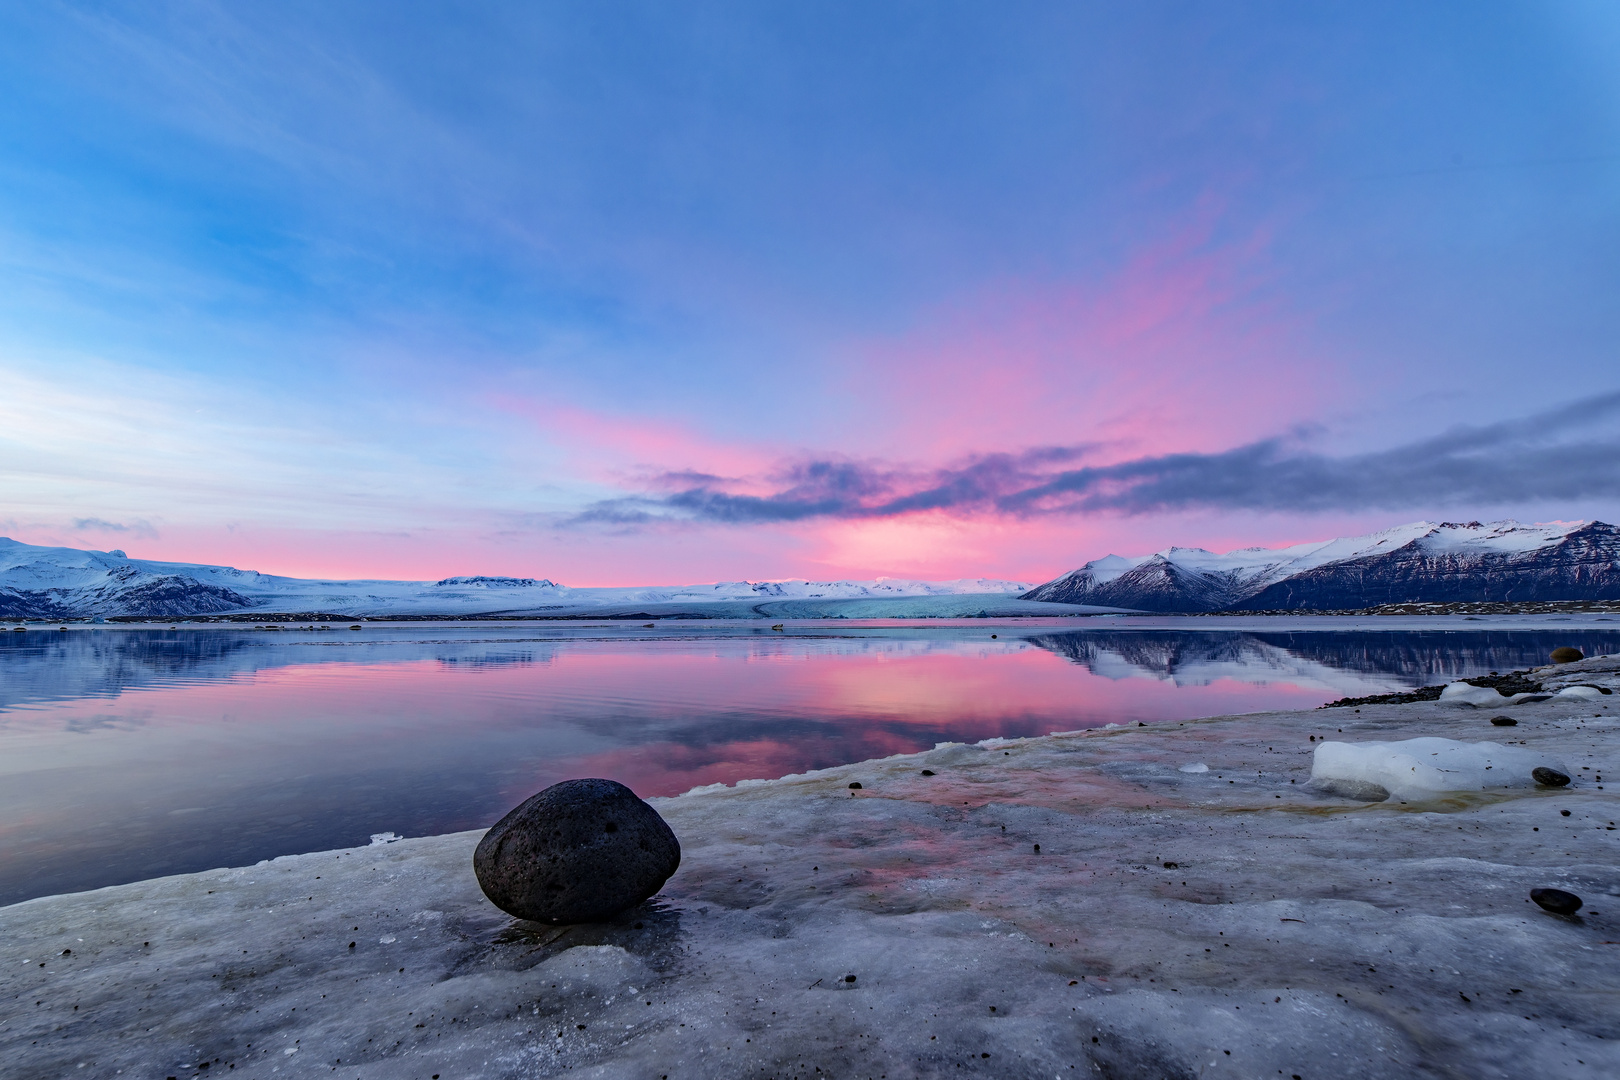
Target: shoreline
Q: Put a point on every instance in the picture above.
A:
(965, 608)
(1226, 622)
(1231, 922)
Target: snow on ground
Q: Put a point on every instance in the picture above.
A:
(96, 581)
(1083, 904)
(522, 595)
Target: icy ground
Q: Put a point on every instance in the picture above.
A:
(1086, 904)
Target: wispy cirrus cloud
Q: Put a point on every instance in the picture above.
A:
(1547, 456)
(139, 528)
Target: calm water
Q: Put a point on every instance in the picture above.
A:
(132, 753)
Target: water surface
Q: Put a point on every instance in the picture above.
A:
(128, 753)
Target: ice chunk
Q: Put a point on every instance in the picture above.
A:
(592, 968)
(953, 754)
(380, 838)
(1197, 766)
(1581, 693)
(1417, 768)
(1461, 693)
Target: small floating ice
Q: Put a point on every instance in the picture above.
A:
(1418, 768)
(380, 838)
(1197, 766)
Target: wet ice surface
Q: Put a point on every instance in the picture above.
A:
(1232, 922)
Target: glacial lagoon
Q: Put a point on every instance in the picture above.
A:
(134, 752)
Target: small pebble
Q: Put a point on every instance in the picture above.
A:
(1172, 866)
(857, 785)
(1504, 721)
(1548, 777)
(928, 772)
(1556, 901)
(1564, 813)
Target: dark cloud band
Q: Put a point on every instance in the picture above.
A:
(1551, 455)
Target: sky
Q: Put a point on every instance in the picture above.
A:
(633, 293)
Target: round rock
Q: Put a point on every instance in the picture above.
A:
(580, 851)
(1548, 777)
(1567, 654)
(1556, 901)
(1504, 721)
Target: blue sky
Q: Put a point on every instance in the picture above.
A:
(413, 289)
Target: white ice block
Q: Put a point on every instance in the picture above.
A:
(1419, 768)
(1461, 693)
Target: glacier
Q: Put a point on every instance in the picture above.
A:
(39, 582)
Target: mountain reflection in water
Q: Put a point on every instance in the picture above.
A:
(1406, 657)
(132, 753)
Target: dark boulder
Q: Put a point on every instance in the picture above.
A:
(579, 851)
(1556, 901)
(1567, 654)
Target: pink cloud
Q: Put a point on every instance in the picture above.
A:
(1178, 350)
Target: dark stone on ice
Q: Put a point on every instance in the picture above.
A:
(1360, 790)
(1504, 721)
(1548, 777)
(1567, 654)
(1556, 901)
(928, 772)
(580, 851)
(856, 786)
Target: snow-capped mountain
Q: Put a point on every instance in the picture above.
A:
(1422, 561)
(57, 583)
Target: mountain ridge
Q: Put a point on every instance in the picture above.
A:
(1420, 561)
(1424, 561)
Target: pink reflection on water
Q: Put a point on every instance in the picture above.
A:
(206, 768)
(662, 716)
